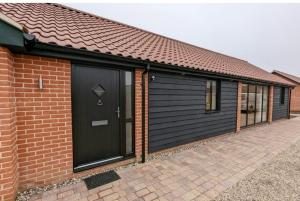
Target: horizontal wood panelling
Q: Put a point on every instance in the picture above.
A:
(160, 120)
(174, 97)
(175, 86)
(280, 110)
(177, 110)
(198, 121)
(211, 133)
(188, 127)
(174, 92)
(174, 102)
(187, 133)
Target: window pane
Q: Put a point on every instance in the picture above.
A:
(265, 104)
(244, 105)
(214, 95)
(251, 104)
(258, 104)
(244, 96)
(128, 137)
(128, 107)
(282, 95)
(128, 91)
(243, 119)
(208, 95)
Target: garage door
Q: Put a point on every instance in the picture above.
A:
(177, 110)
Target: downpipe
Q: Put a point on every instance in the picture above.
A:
(147, 69)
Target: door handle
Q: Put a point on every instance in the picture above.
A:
(118, 112)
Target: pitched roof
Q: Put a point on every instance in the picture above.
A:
(287, 76)
(64, 26)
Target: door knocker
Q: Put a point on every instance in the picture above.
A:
(98, 91)
(99, 102)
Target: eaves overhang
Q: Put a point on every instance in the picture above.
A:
(81, 55)
(11, 33)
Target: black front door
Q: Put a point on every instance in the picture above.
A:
(96, 115)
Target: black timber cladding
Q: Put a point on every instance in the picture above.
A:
(280, 110)
(177, 110)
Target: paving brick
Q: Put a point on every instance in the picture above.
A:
(140, 186)
(131, 196)
(202, 198)
(74, 197)
(93, 197)
(142, 192)
(111, 197)
(189, 196)
(211, 193)
(105, 193)
(186, 175)
(65, 194)
(150, 197)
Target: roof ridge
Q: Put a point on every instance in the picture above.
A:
(140, 29)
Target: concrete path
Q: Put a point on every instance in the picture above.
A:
(200, 173)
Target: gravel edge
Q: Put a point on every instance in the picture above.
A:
(278, 179)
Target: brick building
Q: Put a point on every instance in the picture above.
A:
(80, 93)
(295, 92)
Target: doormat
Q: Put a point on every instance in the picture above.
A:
(101, 179)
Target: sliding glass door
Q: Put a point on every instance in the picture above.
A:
(251, 105)
(254, 104)
(265, 104)
(259, 105)
(244, 105)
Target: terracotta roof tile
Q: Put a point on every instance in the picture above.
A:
(64, 26)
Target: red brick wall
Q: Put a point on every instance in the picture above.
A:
(43, 120)
(8, 148)
(295, 99)
(239, 106)
(36, 124)
(138, 113)
(44, 124)
(146, 112)
(270, 104)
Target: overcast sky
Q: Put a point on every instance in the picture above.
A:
(267, 35)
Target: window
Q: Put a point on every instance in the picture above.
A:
(128, 108)
(282, 95)
(244, 105)
(265, 103)
(251, 104)
(212, 95)
(259, 104)
(254, 104)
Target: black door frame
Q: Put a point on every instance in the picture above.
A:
(122, 120)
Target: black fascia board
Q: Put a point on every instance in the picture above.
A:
(83, 55)
(11, 37)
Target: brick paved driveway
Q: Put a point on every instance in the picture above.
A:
(200, 173)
